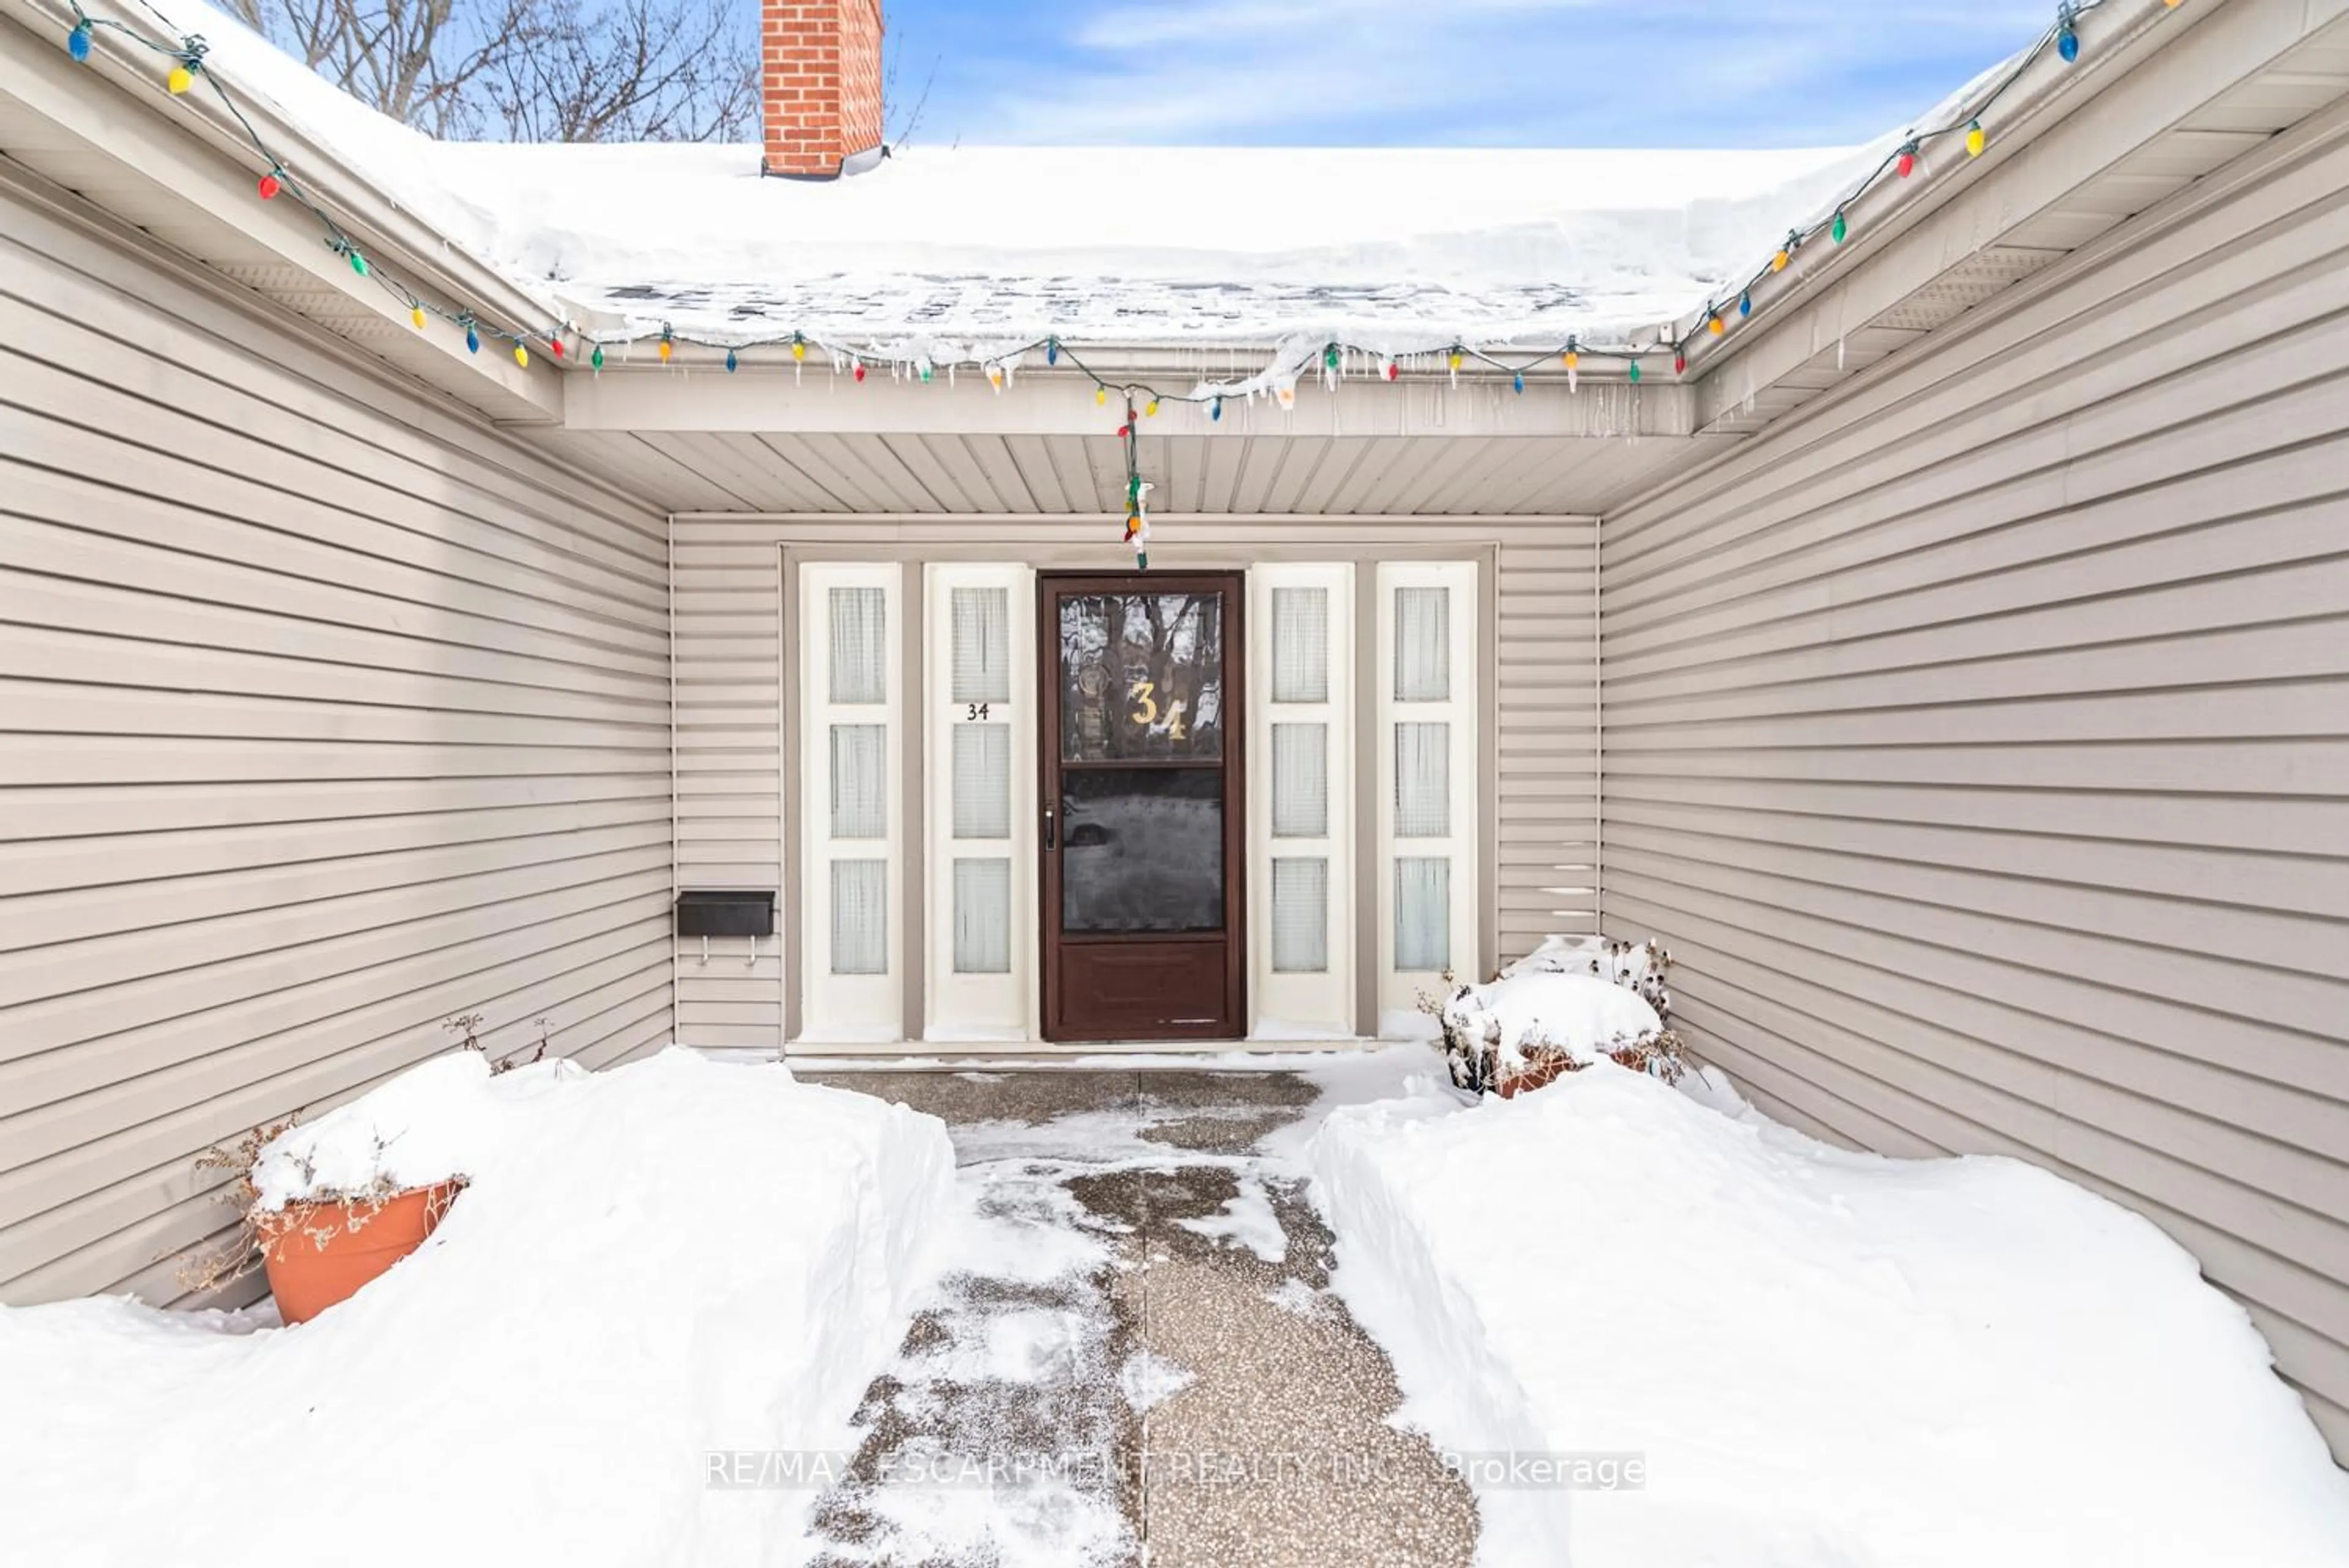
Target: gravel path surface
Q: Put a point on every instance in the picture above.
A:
(1137, 1360)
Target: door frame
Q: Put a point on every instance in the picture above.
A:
(1232, 586)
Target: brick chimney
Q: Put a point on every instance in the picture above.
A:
(821, 85)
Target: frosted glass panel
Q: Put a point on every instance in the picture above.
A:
(982, 917)
(1422, 781)
(1300, 916)
(860, 916)
(1301, 645)
(859, 641)
(1423, 915)
(1300, 781)
(860, 784)
(1423, 644)
(982, 645)
(982, 781)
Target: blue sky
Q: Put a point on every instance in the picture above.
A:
(1517, 73)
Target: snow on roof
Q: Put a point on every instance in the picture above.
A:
(960, 253)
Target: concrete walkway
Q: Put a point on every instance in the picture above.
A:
(1145, 1365)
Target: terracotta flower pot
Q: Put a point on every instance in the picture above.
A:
(1541, 1069)
(321, 1253)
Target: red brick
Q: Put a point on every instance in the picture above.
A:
(820, 82)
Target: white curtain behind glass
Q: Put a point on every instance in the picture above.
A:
(860, 916)
(982, 917)
(1423, 806)
(1300, 916)
(860, 783)
(982, 780)
(1300, 781)
(1423, 644)
(982, 645)
(1422, 914)
(1301, 645)
(859, 641)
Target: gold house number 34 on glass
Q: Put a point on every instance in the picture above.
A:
(1146, 694)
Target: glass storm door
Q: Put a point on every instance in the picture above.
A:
(1143, 827)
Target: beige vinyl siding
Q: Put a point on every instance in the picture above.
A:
(325, 712)
(1978, 741)
(731, 646)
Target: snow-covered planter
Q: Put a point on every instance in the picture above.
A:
(331, 1205)
(1555, 1010)
(665, 1284)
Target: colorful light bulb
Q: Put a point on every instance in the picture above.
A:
(1975, 140)
(77, 41)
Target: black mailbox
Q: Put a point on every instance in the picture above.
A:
(726, 912)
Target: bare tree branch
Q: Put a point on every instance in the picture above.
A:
(532, 70)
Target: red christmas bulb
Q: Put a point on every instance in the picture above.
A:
(1124, 431)
(1680, 363)
(269, 187)
(554, 347)
(860, 370)
(1392, 371)
(1906, 165)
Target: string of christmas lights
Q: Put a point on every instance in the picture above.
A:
(186, 54)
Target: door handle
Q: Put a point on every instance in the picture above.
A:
(1051, 843)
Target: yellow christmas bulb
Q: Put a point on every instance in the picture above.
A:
(664, 350)
(1975, 140)
(522, 355)
(1778, 263)
(417, 315)
(1455, 361)
(1152, 408)
(180, 79)
(1573, 361)
(1717, 326)
(799, 350)
(1101, 396)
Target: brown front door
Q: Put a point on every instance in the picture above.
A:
(1143, 822)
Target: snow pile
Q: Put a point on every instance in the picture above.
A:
(1583, 1015)
(649, 1265)
(1821, 1358)
(1640, 966)
(439, 1120)
(964, 252)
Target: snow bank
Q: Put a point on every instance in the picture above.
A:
(649, 1264)
(1823, 1358)
(1580, 1015)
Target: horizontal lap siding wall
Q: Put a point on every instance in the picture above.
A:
(730, 648)
(1979, 743)
(324, 713)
